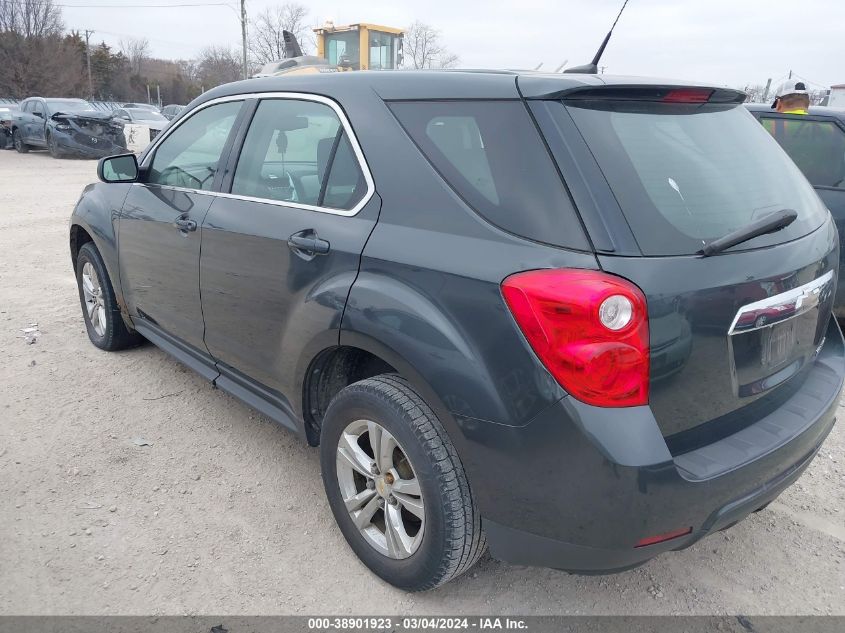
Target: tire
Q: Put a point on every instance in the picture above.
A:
(450, 539)
(53, 147)
(100, 311)
(22, 147)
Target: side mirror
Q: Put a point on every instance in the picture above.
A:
(120, 168)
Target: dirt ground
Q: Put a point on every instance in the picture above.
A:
(224, 512)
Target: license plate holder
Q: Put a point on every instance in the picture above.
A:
(778, 342)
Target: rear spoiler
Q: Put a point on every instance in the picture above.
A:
(659, 93)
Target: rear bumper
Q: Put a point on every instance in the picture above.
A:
(579, 486)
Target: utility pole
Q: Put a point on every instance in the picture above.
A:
(243, 36)
(766, 91)
(88, 62)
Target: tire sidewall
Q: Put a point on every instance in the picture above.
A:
(17, 139)
(89, 253)
(423, 565)
(53, 147)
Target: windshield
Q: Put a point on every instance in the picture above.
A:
(685, 175)
(145, 115)
(68, 105)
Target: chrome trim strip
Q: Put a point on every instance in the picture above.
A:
(798, 300)
(299, 96)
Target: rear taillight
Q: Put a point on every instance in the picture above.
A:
(589, 329)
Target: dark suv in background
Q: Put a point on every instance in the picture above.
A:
(582, 319)
(66, 127)
(816, 142)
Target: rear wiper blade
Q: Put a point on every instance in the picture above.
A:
(767, 224)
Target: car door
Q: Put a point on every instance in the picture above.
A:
(281, 248)
(816, 143)
(160, 227)
(35, 133)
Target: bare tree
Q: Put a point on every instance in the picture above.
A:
(423, 48)
(136, 50)
(267, 43)
(30, 18)
(218, 65)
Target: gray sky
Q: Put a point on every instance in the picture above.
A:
(734, 42)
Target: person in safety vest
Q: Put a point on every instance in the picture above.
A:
(792, 98)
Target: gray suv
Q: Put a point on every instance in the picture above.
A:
(579, 319)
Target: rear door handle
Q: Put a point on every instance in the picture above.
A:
(308, 242)
(184, 224)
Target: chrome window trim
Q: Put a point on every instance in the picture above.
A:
(261, 96)
(800, 299)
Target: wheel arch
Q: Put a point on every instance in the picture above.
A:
(359, 356)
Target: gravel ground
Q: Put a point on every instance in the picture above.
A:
(224, 511)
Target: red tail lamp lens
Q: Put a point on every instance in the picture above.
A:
(688, 95)
(660, 538)
(589, 329)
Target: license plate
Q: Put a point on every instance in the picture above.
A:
(778, 343)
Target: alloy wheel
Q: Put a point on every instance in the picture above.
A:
(380, 489)
(94, 303)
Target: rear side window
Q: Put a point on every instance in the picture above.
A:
(297, 151)
(491, 154)
(687, 174)
(817, 147)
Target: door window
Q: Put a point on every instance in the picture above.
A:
(297, 151)
(817, 147)
(190, 156)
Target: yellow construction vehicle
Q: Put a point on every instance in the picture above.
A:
(360, 46)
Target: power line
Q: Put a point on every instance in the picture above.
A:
(125, 6)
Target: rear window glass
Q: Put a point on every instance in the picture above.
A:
(491, 154)
(817, 147)
(684, 175)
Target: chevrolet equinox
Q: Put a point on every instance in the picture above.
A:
(579, 319)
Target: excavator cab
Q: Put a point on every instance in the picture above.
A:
(360, 46)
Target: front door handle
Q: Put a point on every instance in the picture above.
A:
(308, 242)
(184, 224)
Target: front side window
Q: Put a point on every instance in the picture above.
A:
(297, 151)
(817, 147)
(190, 156)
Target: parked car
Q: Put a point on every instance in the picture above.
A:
(66, 127)
(457, 284)
(816, 142)
(141, 106)
(154, 120)
(6, 117)
(171, 111)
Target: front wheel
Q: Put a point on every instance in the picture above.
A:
(103, 321)
(22, 147)
(53, 147)
(396, 486)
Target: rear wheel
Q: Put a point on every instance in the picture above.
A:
(396, 485)
(22, 147)
(103, 321)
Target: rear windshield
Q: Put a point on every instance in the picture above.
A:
(685, 174)
(492, 155)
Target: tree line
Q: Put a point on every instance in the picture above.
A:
(38, 56)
